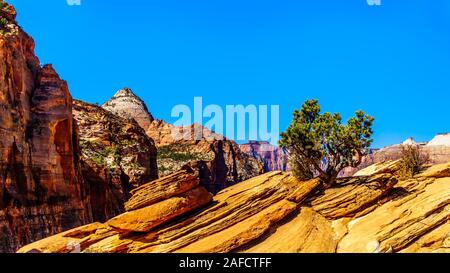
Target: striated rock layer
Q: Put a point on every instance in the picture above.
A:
(276, 213)
(41, 188)
(274, 158)
(116, 155)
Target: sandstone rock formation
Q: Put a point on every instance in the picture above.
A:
(220, 161)
(277, 213)
(274, 158)
(41, 188)
(117, 156)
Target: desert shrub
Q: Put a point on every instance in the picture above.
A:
(320, 144)
(413, 160)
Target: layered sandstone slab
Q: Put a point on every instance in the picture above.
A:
(307, 232)
(275, 212)
(395, 225)
(166, 187)
(437, 171)
(352, 196)
(145, 219)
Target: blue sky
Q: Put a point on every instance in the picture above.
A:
(392, 61)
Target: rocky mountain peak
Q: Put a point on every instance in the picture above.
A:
(127, 104)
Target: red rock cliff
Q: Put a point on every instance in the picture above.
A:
(273, 157)
(41, 189)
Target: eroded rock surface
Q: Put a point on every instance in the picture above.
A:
(275, 212)
(41, 188)
(273, 157)
(117, 157)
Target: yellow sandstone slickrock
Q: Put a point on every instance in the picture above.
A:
(390, 166)
(437, 171)
(350, 197)
(307, 232)
(275, 212)
(398, 223)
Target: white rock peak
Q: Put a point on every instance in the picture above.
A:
(128, 105)
(440, 140)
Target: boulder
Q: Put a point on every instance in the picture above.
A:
(146, 219)
(161, 189)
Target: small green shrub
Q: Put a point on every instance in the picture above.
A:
(3, 22)
(98, 159)
(170, 152)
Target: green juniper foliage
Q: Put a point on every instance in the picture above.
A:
(320, 145)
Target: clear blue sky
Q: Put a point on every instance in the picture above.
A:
(392, 61)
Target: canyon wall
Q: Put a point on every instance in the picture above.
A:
(274, 158)
(41, 188)
(116, 157)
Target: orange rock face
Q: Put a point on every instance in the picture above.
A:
(116, 156)
(41, 189)
(149, 217)
(273, 157)
(161, 189)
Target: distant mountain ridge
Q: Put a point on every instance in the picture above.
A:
(438, 150)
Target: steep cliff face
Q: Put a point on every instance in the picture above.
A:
(274, 158)
(41, 189)
(117, 156)
(221, 162)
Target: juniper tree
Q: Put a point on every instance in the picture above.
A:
(321, 145)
